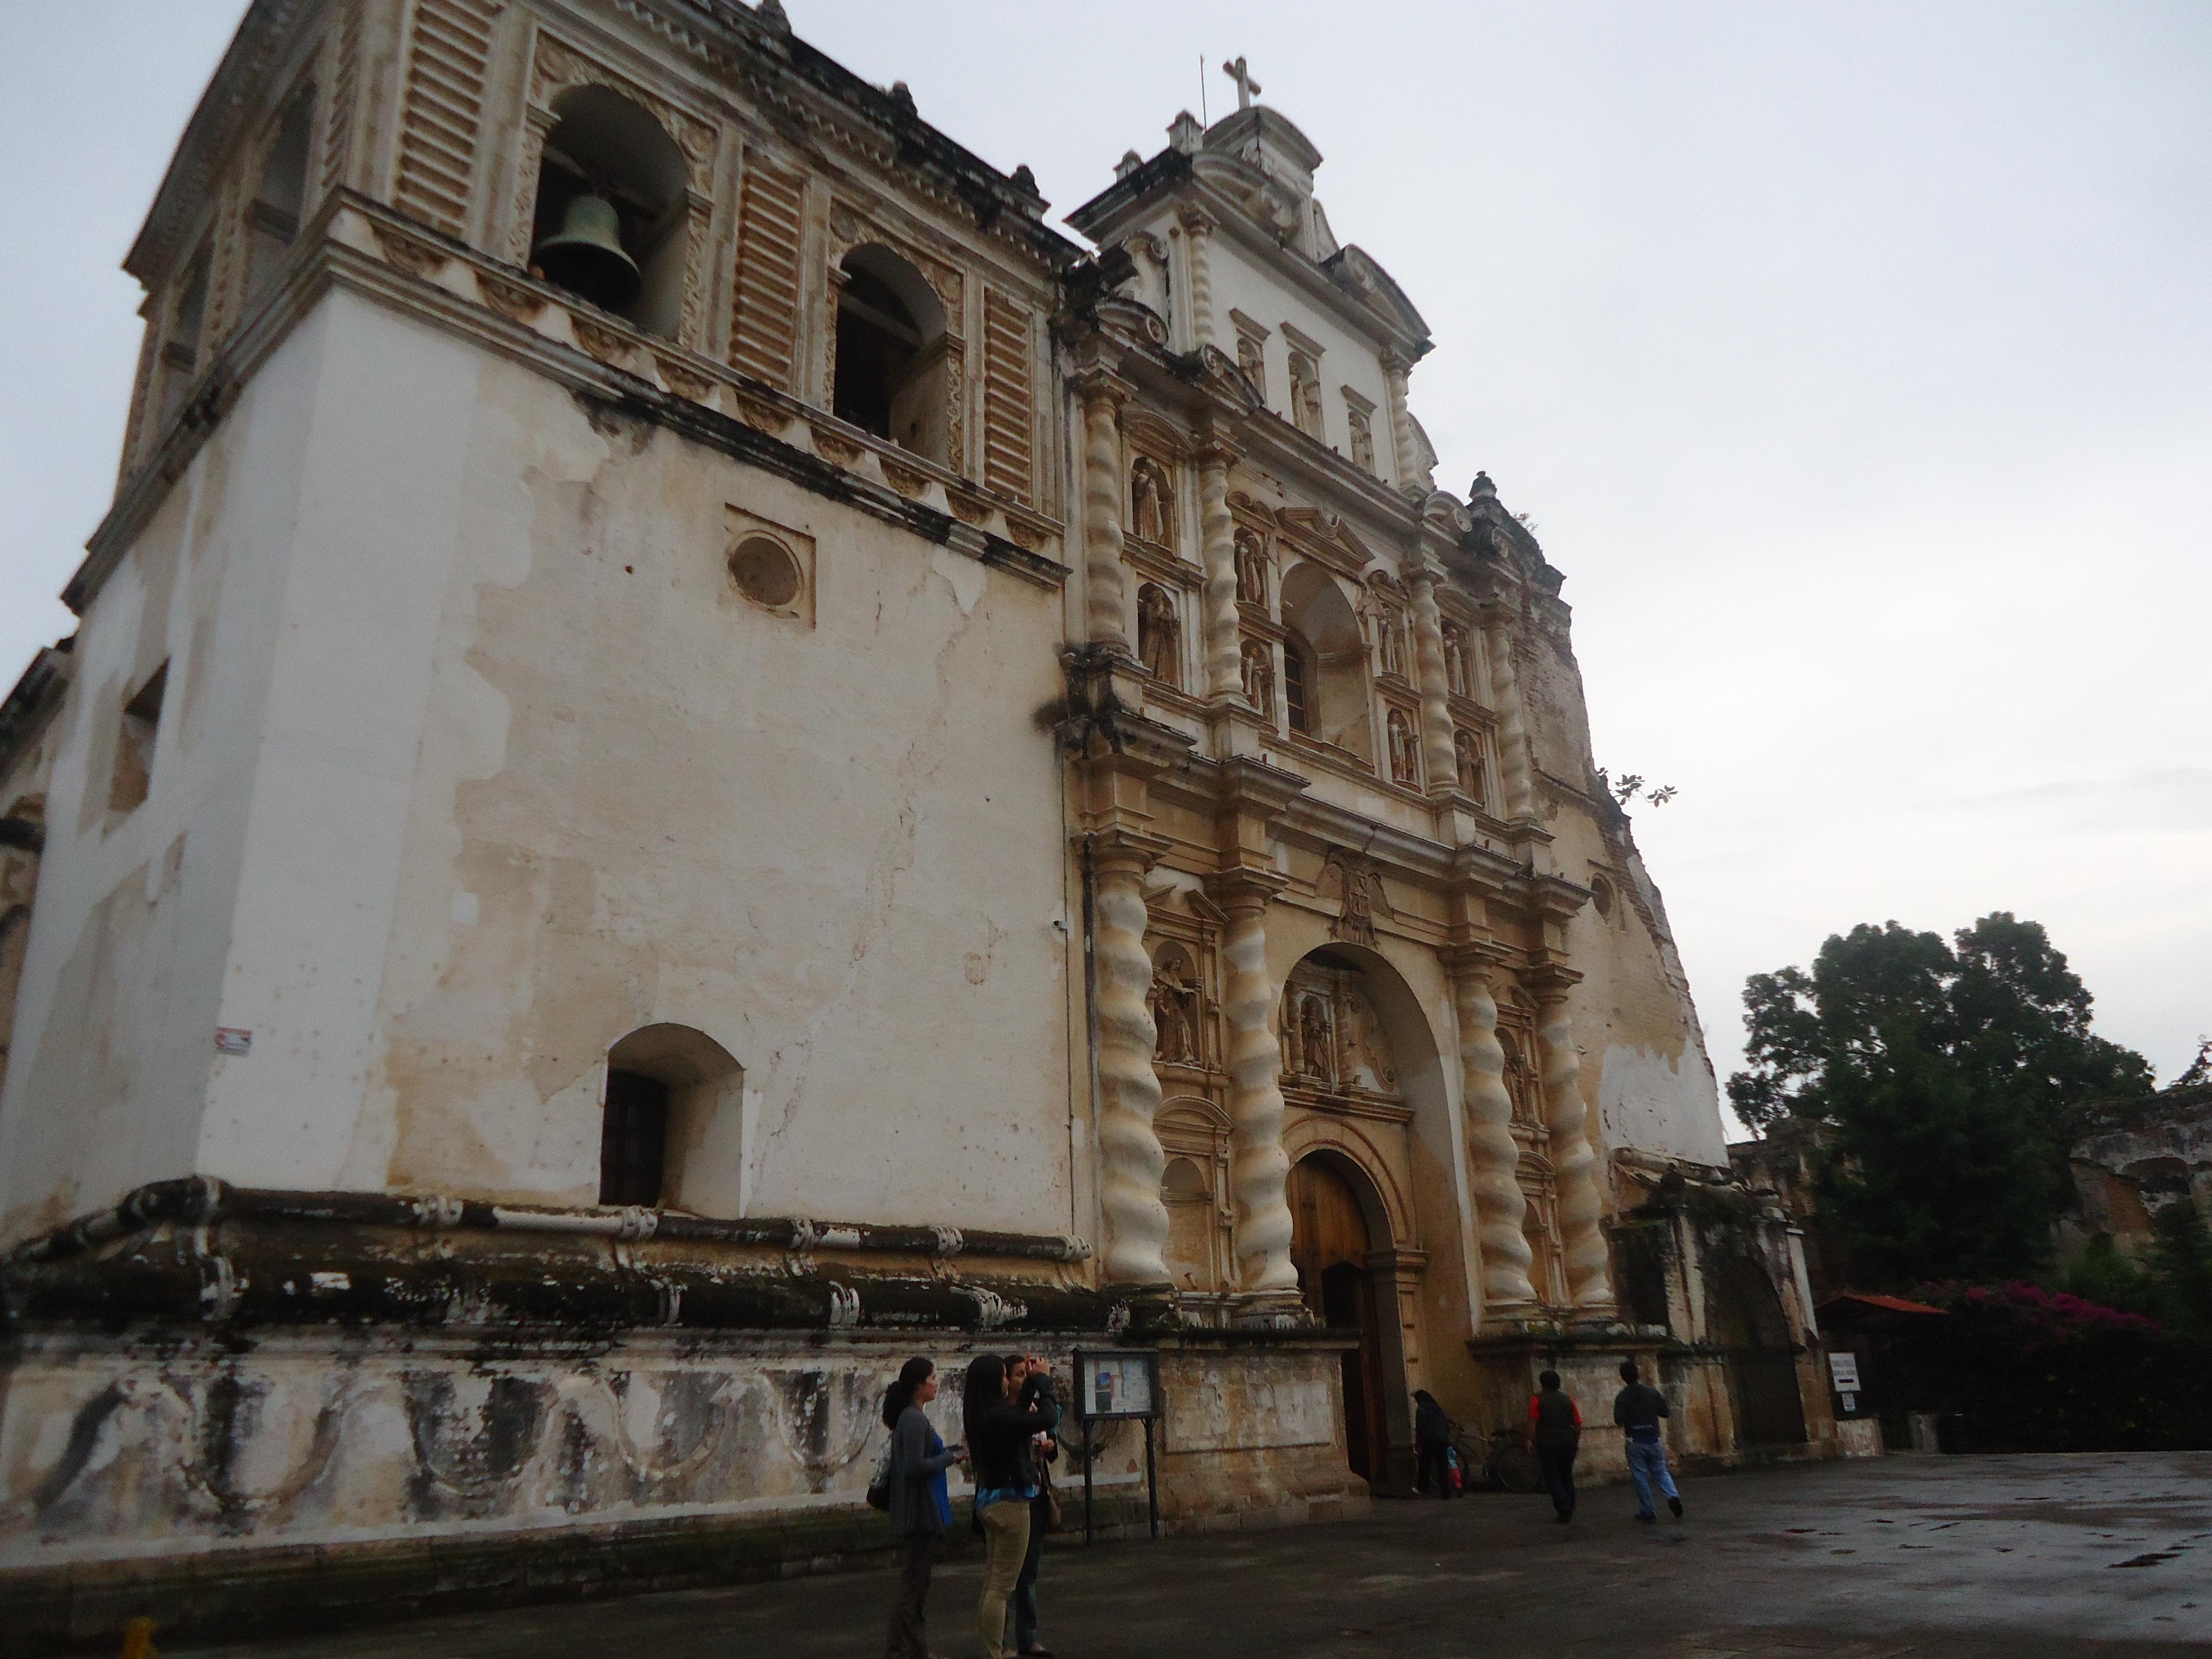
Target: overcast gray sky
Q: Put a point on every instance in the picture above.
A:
(1854, 360)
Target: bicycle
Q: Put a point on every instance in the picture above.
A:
(1511, 1466)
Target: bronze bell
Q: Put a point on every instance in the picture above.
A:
(586, 257)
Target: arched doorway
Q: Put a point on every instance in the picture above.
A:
(1329, 1245)
(1744, 1317)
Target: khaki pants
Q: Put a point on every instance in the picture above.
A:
(1006, 1541)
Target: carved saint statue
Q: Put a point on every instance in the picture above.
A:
(1405, 752)
(1455, 659)
(1469, 749)
(1175, 1012)
(1158, 634)
(1251, 569)
(1315, 1023)
(1293, 1044)
(1151, 506)
(1393, 641)
(1260, 678)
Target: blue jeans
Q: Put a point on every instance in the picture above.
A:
(1647, 1464)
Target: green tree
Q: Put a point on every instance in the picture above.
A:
(1948, 1080)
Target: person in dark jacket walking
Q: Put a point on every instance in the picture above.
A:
(1637, 1408)
(1432, 1443)
(1555, 1435)
(921, 1512)
(1000, 1461)
(1033, 1392)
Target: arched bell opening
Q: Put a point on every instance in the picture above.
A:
(891, 353)
(1325, 663)
(611, 217)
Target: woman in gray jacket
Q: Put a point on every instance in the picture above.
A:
(921, 1510)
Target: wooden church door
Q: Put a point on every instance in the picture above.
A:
(1329, 1244)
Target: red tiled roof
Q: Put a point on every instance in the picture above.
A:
(1890, 1303)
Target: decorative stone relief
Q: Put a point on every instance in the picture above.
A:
(1354, 878)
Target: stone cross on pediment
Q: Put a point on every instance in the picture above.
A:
(1246, 86)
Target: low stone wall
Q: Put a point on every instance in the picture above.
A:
(222, 1479)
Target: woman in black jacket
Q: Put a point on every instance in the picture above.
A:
(919, 1513)
(999, 1450)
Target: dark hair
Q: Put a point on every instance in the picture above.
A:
(897, 1397)
(1628, 1370)
(1010, 1361)
(986, 1387)
(1548, 1379)
(1424, 1395)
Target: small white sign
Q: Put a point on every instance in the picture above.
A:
(1851, 1401)
(1844, 1371)
(232, 1040)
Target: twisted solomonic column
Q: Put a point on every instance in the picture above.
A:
(1439, 759)
(1515, 776)
(1581, 1208)
(1131, 1160)
(1105, 592)
(1260, 1171)
(1225, 668)
(1493, 1156)
(1402, 422)
(1198, 225)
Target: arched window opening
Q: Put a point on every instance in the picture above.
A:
(1322, 626)
(672, 1136)
(1602, 897)
(634, 1139)
(891, 366)
(1298, 683)
(611, 217)
(272, 221)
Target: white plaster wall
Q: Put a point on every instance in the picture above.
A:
(124, 979)
(637, 798)
(510, 770)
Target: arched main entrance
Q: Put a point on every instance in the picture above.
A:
(1330, 1242)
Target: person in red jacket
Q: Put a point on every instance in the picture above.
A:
(1555, 1434)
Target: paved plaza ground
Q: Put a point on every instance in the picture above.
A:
(1927, 1556)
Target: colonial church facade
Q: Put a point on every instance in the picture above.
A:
(702, 755)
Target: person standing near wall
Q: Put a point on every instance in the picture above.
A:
(1555, 1435)
(921, 1512)
(1006, 1483)
(1637, 1408)
(1031, 1383)
(1432, 1443)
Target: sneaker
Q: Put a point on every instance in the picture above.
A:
(1675, 1504)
